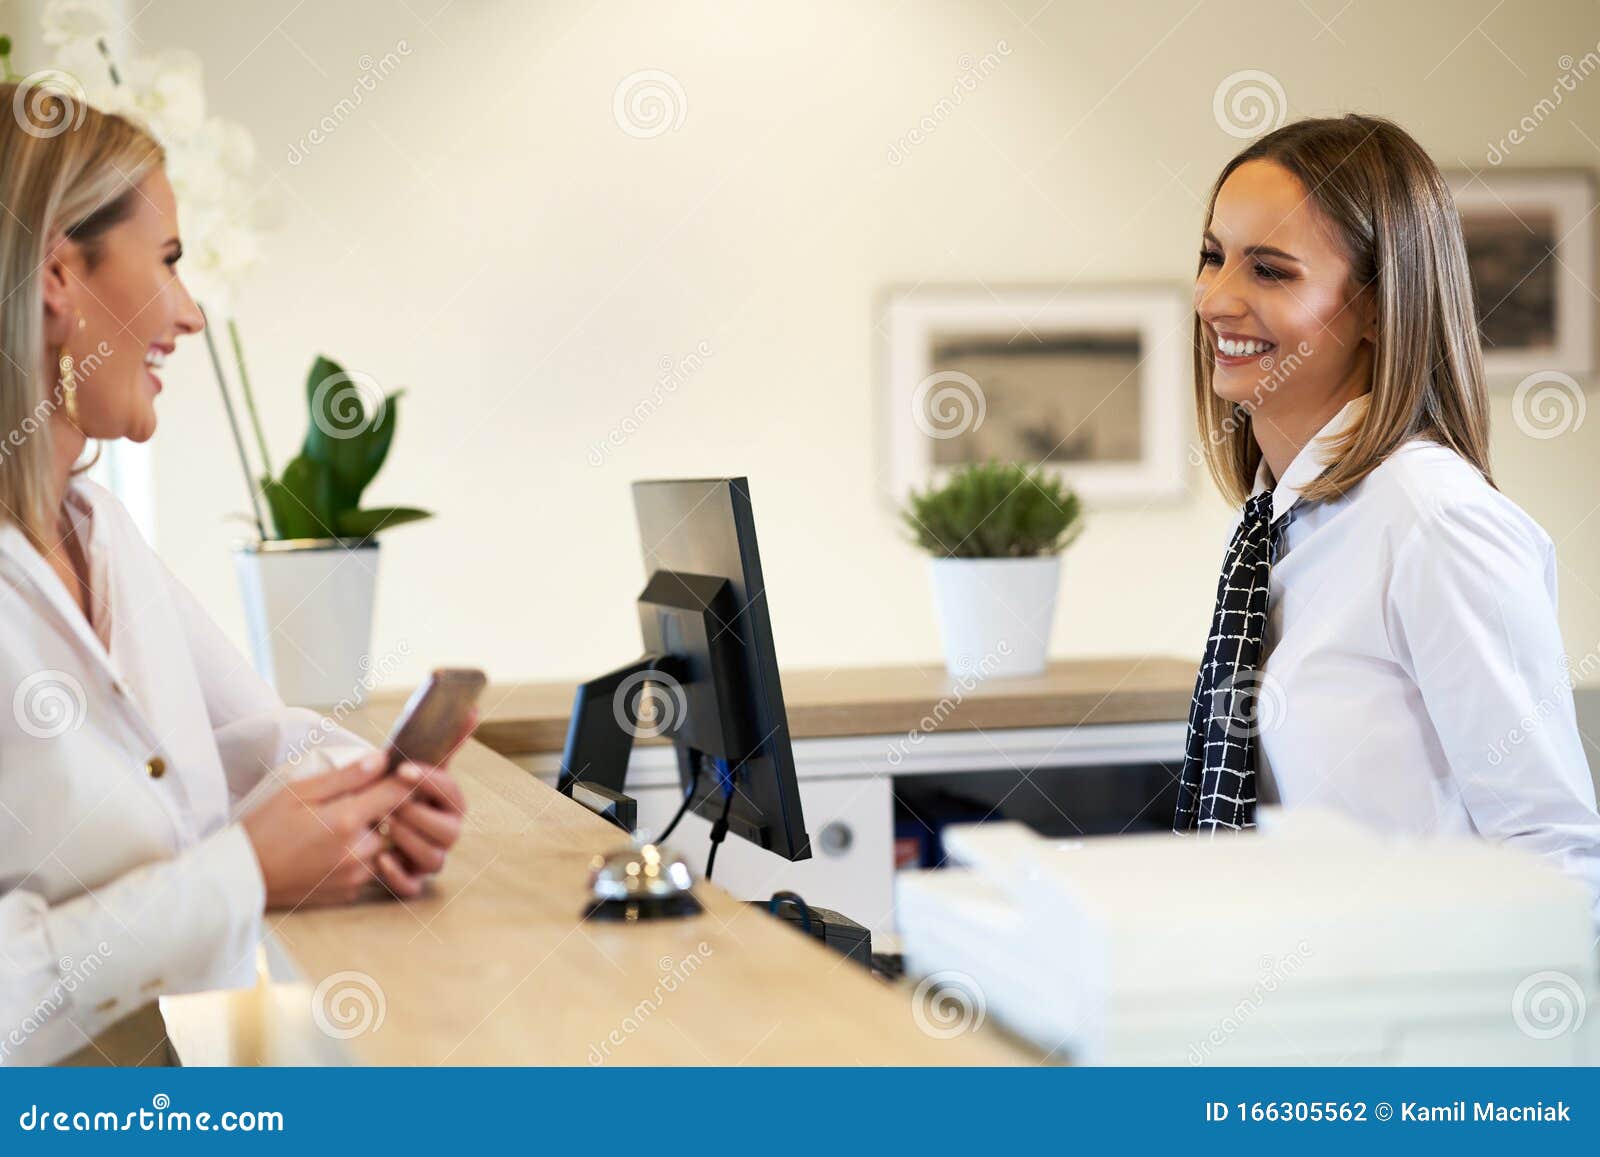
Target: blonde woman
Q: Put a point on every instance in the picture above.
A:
(1385, 639)
(147, 818)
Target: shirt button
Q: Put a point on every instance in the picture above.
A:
(156, 766)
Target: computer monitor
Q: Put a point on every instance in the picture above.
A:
(708, 678)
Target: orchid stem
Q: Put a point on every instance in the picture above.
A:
(233, 424)
(111, 65)
(249, 397)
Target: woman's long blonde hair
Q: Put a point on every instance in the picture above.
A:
(1386, 201)
(65, 168)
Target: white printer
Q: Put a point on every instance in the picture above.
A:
(1309, 941)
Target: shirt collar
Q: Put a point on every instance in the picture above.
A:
(1313, 458)
(81, 501)
(80, 496)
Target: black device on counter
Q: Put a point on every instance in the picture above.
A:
(833, 929)
(708, 678)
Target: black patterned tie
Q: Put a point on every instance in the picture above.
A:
(1218, 788)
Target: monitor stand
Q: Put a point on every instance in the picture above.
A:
(617, 807)
(594, 764)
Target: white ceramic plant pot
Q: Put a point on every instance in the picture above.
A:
(995, 614)
(308, 603)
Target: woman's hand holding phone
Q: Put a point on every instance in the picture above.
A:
(433, 724)
(423, 828)
(315, 839)
(391, 816)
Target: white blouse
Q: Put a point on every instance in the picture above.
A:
(1415, 677)
(128, 754)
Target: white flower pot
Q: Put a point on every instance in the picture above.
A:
(308, 603)
(995, 614)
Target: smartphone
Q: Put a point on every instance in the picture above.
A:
(431, 721)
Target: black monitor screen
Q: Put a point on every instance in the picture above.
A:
(705, 527)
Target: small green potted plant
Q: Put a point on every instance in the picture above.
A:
(310, 582)
(995, 532)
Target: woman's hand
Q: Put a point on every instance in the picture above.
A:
(315, 839)
(427, 825)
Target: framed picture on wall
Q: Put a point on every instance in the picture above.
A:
(1093, 383)
(1530, 243)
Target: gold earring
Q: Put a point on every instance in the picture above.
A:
(69, 381)
(69, 389)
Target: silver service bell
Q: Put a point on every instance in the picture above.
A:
(640, 882)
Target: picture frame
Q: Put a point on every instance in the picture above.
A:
(1530, 243)
(1091, 383)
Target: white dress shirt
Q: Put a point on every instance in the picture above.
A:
(129, 750)
(1414, 675)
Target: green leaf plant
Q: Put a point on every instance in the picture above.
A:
(994, 510)
(352, 424)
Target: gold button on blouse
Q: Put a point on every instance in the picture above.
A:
(156, 766)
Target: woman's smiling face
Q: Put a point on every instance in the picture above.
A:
(1274, 281)
(133, 307)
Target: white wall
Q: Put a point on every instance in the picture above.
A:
(483, 232)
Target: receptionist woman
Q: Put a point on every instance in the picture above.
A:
(147, 813)
(1385, 639)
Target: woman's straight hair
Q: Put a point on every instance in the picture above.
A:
(1386, 201)
(66, 170)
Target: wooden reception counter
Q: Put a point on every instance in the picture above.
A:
(496, 965)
